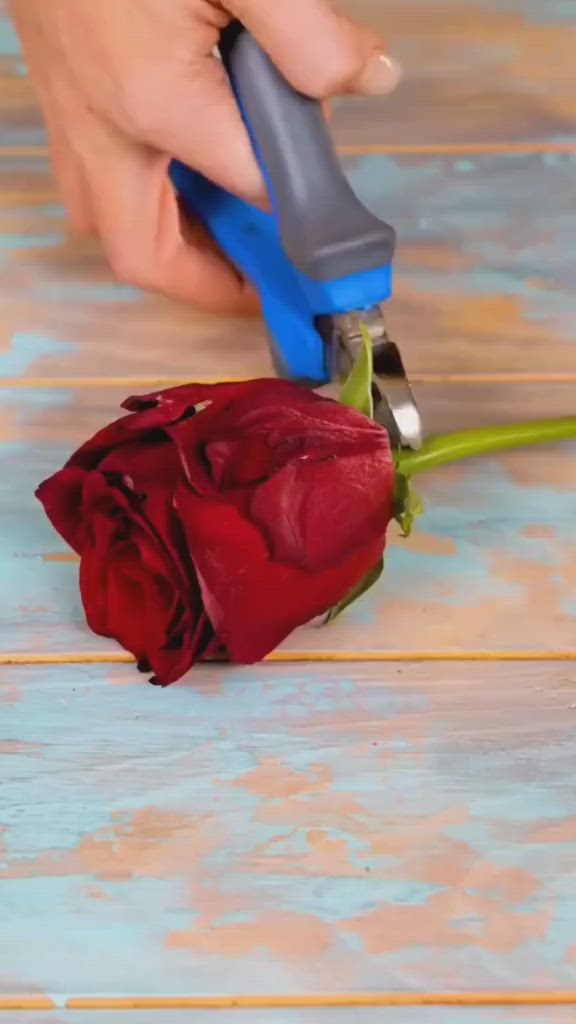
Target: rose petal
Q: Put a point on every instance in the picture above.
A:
(145, 491)
(151, 467)
(315, 512)
(170, 404)
(253, 602)
(137, 587)
(286, 477)
(123, 431)
(126, 600)
(61, 496)
(263, 429)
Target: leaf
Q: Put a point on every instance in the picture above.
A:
(356, 392)
(357, 591)
(407, 504)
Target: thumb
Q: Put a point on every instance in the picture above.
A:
(321, 52)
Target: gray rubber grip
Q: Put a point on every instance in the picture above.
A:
(324, 228)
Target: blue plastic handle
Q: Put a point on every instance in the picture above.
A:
(255, 241)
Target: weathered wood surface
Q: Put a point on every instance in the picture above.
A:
(288, 830)
(216, 837)
(484, 277)
(475, 70)
(491, 563)
(488, 70)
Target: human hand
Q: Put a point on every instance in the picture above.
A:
(125, 85)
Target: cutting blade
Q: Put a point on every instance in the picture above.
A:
(395, 407)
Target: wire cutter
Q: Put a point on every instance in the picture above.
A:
(321, 262)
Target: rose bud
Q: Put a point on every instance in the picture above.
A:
(215, 519)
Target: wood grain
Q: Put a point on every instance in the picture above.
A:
(473, 71)
(288, 830)
(484, 278)
(490, 564)
(315, 828)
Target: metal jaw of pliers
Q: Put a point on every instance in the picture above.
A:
(320, 260)
(395, 407)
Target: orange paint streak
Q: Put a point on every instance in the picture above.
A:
(420, 849)
(490, 377)
(151, 844)
(556, 470)
(9, 428)
(335, 999)
(273, 779)
(537, 532)
(60, 556)
(333, 810)
(424, 543)
(290, 936)
(10, 694)
(28, 198)
(433, 148)
(297, 657)
(26, 1003)
(20, 747)
(555, 832)
(448, 920)
(94, 893)
(391, 148)
(325, 857)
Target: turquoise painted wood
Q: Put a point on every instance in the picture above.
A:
(288, 830)
(484, 277)
(490, 564)
(312, 828)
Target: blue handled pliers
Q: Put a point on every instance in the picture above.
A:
(320, 260)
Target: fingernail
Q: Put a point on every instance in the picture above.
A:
(380, 75)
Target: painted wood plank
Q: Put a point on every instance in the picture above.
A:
(484, 278)
(423, 1015)
(20, 122)
(63, 311)
(495, 70)
(283, 830)
(473, 71)
(490, 565)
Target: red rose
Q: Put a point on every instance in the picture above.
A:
(221, 517)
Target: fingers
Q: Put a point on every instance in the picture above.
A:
(193, 115)
(70, 179)
(136, 214)
(321, 52)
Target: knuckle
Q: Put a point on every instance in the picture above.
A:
(130, 267)
(136, 103)
(331, 80)
(135, 115)
(79, 221)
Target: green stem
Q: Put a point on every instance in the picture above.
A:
(463, 444)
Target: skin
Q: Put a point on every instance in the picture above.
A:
(126, 84)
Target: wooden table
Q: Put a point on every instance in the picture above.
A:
(343, 826)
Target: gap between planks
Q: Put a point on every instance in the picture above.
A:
(247, 1002)
(298, 657)
(73, 383)
(400, 148)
